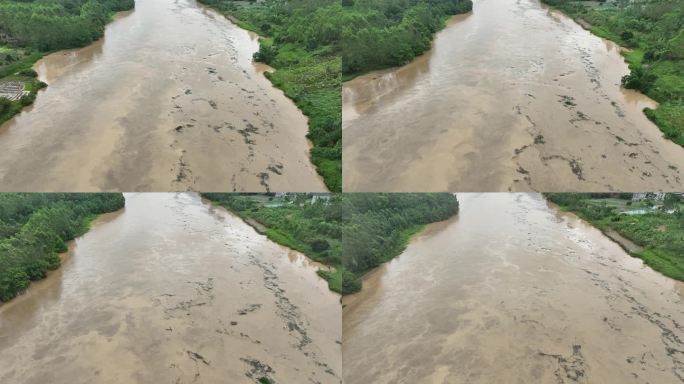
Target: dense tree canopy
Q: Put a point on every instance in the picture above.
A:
(56, 24)
(384, 33)
(34, 228)
(377, 226)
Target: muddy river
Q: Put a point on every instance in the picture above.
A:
(172, 290)
(512, 291)
(169, 100)
(513, 96)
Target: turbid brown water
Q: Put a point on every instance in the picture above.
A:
(512, 291)
(173, 290)
(512, 97)
(169, 100)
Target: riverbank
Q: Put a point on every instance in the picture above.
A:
(652, 50)
(350, 233)
(656, 237)
(325, 271)
(18, 91)
(278, 236)
(307, 68)
(172, 85)
(52, 276)
(172, 268)
(423, 56)
(378, 227)
(512, 291)
(36, 230)
(19, 85)
(294, 223)
(532, 95)
(382, 35)
(409, 236)
(622, 241)
(381, 70)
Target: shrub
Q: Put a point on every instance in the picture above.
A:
(28, 72)
(5, 105)
(319, 245)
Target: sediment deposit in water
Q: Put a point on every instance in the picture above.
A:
(513, 96)
(512, 291)
(169, 100)
(172, 290)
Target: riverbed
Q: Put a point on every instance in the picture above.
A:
(169, 100)
(514, 291)
(513, 96)
(173, 290)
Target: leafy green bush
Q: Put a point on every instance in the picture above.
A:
(350, 282)
(5, 105)
(28, 72)
(319, 245)
(28, 99)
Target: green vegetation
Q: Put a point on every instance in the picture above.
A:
(309, 41)
(378, 227)
(655, 225)
(374, 227)
(385, 33)
(48, 25)
(34, 229)
(301, 41)
(308, 223)
(653, 30)
(31, 84)
(31, 28)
